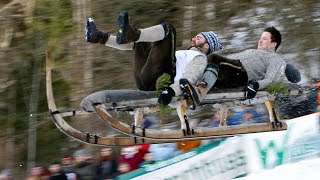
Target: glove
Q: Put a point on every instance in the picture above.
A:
(166, 96)
(251, 89)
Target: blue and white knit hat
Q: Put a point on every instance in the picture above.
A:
(213, 41)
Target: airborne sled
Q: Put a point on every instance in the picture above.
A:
(103, 103)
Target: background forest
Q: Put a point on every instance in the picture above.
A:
(31, 28)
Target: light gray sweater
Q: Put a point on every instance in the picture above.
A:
(193, 71)
(264, 66)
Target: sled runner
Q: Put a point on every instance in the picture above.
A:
(141, 102)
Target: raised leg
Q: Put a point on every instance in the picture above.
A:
(151, 62)
(141, 54)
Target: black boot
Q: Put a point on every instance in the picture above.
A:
(126, 33)
(93, 34)
(193, 95)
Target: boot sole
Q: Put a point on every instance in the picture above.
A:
(123, 25)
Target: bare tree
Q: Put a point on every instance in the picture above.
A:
(7, 14)
(83, 54)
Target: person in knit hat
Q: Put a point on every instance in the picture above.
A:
(212, 40)
(155, 55)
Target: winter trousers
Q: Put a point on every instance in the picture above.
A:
(231, 73)
(152, 59)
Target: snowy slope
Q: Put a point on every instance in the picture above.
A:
(303, 170)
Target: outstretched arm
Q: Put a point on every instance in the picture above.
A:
(275, 70)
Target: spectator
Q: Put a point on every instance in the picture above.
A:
(216, 120)
(148, 160)
(68, 167)
(246, 116)
(251, 116)
(161, 152)
(56, 172)
(122, 169)
(85, 168)
(38, 173)
(133, 155)
(148, 122)
(6, 175)
(107, 163)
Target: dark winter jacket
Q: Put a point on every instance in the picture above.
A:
(86, 171)
(61, 176)
(106, 169)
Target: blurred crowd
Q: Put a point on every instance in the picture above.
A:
(108, 164)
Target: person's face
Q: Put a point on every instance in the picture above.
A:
(36, 171)
(265, 42)
(54, 168)
(129, 150)
(198, 41)
(216, 116)
(80, 159)
(124, 167)
(66, 161)
(248, 116)
(106, 152)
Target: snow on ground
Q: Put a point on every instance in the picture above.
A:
(303, 170)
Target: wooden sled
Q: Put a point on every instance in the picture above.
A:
(136, 135)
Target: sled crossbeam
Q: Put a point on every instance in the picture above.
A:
(199, 133)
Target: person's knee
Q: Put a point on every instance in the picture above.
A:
(213, 69)
(292, 74)
(148, 82)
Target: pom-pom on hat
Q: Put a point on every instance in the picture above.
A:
(213, 41)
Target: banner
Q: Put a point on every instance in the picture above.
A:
(235, 157)
(220, 160)
(270, 149)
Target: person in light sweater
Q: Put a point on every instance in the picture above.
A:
(255, 69)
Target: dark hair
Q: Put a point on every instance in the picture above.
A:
(275, 35)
